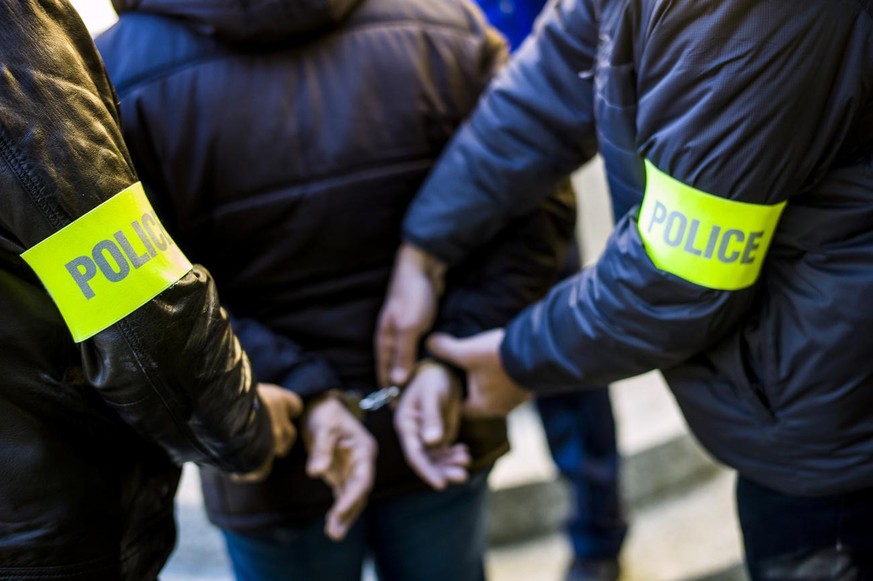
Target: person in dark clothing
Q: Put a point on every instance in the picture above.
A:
(737, 139)
(282, 142)
(579, 425)
(118, 362)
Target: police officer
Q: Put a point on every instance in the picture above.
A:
(118, 362)
(737, 140)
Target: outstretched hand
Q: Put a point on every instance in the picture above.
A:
(427, 419)
(407, 314)
(283, 406)
(490, 391)
(343, 454)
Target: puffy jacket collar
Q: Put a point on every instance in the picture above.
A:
(249, 21)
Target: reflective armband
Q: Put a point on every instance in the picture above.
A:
(107, 263)
(702, 238)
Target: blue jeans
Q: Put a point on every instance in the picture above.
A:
(806, 539)
(580, 429)
(423, 536)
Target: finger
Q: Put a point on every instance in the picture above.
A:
(455, 474)
(432, 427)
(352, 497)
(338, 523)
(417, 457)
(385, 341)
(459, 454)
(293, 404)
(405, 350)
(449, 349)
(450, 457)
(321, 453)
(286, 440)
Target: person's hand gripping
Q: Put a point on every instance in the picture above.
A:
(490, 390)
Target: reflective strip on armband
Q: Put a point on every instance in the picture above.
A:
(702, 238)
(108, 263)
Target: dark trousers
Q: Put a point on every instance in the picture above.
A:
(422, 536)
(795, 538)
(580, 429)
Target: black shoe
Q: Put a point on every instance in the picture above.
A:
(593, 570)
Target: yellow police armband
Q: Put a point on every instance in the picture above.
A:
(108, 263)
(702, 238)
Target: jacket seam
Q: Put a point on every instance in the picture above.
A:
(122, 88)
(325, 182)
(133, 342)
(29, 183)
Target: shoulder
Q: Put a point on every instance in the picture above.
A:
(142, 47)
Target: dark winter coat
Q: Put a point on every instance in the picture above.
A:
(747, 101)
(282, 142)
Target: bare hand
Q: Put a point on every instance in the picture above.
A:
(427, 419)
(343, 454)
(407, 314)
(490, 391)
(283, 406)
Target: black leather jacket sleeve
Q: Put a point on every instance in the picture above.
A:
(172, 369)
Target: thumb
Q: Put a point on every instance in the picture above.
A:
(404, 357)
(432, 430)
(449, 349)
(324, 441)
(293, 404)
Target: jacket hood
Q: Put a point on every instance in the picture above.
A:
(249, 21)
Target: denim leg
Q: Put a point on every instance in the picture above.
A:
(795, 538)
(297, 553)
(580, 429)
(432, 536)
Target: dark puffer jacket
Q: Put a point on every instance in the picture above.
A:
(90, 433)
(754, 103)
(282, 142)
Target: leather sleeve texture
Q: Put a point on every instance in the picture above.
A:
(172, 369)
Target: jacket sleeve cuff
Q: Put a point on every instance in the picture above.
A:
(311, 376)
(255, 445)
(513, 365)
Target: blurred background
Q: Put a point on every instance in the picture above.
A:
(679, 502)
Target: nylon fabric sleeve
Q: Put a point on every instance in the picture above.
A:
(729, 105)
(512, 271)
(172, 369)
(532, 128)
(278, 359)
